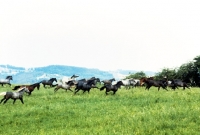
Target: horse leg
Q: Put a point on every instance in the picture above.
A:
(76, 90)
(164, 88)
(21, 100)
(14, 101)
(56, 89)
(70, 90)
(6, 100)
(114, 92)
(3, 99)
(107, 91)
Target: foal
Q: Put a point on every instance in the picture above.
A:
(14, 95)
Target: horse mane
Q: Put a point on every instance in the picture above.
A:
(7, 77)
(38, 83)
(52, 79)
(16, 87)
(118, 82)
(21, 89)
(90, 81)
(74, 76)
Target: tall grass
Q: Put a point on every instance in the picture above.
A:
(134, 111)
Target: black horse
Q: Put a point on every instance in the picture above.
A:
(49, 82)
(29, 87)
(107, 82)
(6, 80)
(156, 83)
(111, 87)
(175, 83)
(85, 85)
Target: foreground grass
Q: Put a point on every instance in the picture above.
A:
(134, 111)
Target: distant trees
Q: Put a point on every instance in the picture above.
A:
(137, 75)
(189, 72)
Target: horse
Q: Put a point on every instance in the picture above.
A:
(108, 81)
(48, 82)
(128, 83)
(66, 79)
(6, 80)
(136, 82)
(13, 95)
(85, 85)
(143, 79)
(29, 87)
(175, 83)
(65, 86)
(156, 83)
(111, 87)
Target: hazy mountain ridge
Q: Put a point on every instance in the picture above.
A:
(32, 75)
(23, 76)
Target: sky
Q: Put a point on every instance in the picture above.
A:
(108, 35)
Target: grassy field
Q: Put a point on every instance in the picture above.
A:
(134, 111)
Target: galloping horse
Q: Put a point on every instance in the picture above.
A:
(29, 87)
(111, 87)
(66, 79)
(143, 79)
(157, 83)
(128, 83)
(65, 86)
(85, 85)
(48, 82)
(13, 95)
(6, 81)
(175, 83)
(108, 81)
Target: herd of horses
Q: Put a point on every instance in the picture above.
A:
(87, 84)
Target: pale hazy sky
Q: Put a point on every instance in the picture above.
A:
(104, 34)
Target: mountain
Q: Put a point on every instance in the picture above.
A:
(32, 75)
(27, 76)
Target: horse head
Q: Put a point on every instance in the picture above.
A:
(9, 77)
(53, 79)
(119, 83)
(74, 76)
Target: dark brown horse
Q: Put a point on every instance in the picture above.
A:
(143, 79)
(30, 87)
(156, 83)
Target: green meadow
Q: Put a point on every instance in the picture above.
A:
(135, 111)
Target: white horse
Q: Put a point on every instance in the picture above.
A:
(128, 83)
(65, 79)
(6, 80)
(65, 86)
(136, 82)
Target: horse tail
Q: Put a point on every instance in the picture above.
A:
(2, 93)
(102, 88)
(16, 87)
(53, 85)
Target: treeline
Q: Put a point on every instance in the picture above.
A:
(189, 72)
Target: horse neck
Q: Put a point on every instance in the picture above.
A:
(91, 82)
(118, 84)
(21, 92)
(33, 86)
